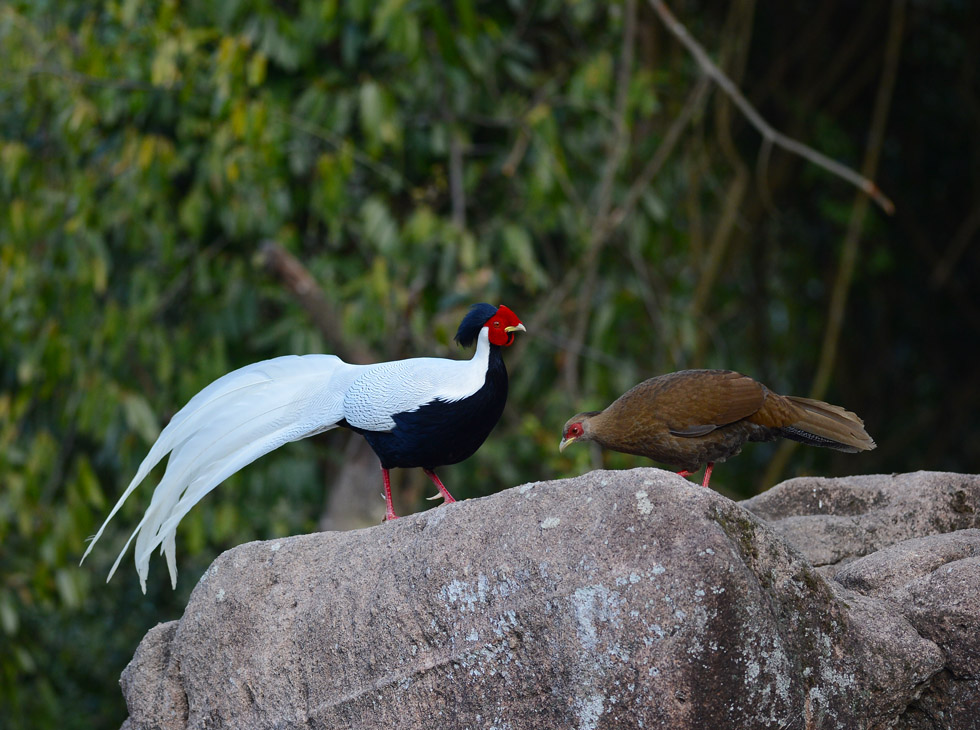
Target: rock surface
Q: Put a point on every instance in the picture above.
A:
(934, 583)
(835, 520)
(612, 600)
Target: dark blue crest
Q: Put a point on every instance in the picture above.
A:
(473, 322)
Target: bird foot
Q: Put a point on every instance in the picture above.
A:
(707, 473)
(443, 492)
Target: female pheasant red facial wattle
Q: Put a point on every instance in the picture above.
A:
(423, 412)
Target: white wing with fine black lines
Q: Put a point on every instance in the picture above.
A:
(404, 386)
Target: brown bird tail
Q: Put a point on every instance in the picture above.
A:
(822, 424)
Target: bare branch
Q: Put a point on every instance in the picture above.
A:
(524, 136)
(621, 136)
(845, 274)
(711, 265)
(694, 102)
(602, 226)
(842, 285)
(517, 152)
(709, 68)
(965, 234)
(390, 174)
(301, 284)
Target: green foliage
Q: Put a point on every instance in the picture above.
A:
(416, 157)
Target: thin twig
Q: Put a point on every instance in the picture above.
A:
(845, 274)
(563, 178)
(516, 152)
(694, 103)
(621, 132)
(965, 234)
(394, 178)
(524, 137)
(709, 68)
(650, 291)
(709, 266)
(182, 280)
(602, 228)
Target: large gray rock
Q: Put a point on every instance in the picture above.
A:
(613, 600)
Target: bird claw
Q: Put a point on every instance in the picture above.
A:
(434, 497)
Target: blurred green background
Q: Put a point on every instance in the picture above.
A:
(167, 168)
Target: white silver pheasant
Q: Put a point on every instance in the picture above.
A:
(422, 412)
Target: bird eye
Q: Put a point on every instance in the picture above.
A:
(496, 324)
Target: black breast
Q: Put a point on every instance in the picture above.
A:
(442, 433)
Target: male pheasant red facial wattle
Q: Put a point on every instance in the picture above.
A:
(502, 326)
(423, 412)
(695, 417)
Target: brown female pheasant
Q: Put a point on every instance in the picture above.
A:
(695, 417)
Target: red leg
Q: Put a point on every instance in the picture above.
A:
(684, 473)
(707, 473)
(389, 508)
(442, 490)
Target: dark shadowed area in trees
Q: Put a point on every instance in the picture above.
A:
(174, 177)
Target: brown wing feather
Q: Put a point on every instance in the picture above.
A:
(707, 399)
(691, 402)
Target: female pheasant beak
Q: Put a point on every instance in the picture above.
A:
(564, 443)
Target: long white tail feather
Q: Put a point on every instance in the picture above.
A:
(162, 526)
(229, 424)
(167, 440)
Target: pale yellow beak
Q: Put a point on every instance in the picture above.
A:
(564, 443)
(515, 328)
